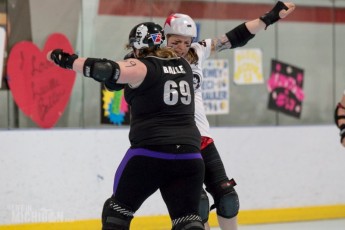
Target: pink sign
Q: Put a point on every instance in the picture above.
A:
(285, 86)
(40, 88)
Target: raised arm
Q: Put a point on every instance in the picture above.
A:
(240, 35)
(130, 71)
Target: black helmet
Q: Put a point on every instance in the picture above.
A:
(146, 35)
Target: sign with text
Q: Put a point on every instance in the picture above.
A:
(248, 67)
(215, 86)
(39, 87)
(285, 87)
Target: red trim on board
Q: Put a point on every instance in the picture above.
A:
(215, 10)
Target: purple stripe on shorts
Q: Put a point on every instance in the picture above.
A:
(149, 153)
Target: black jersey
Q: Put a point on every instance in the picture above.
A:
(162, 107)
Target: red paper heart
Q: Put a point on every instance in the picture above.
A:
(40, 88)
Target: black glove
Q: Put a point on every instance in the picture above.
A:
(273, 16)
(62, 59)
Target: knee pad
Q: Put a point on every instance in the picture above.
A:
(204, 207)
(226, 199)
(228, 205)
(115, 216)
(190, 222)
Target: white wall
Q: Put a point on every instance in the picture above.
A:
(58, 175)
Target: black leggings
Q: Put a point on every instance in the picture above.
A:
(179, 177)
(214, 168)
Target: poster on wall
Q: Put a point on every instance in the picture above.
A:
(285, 87)
(248, 66)
(114, 108)
(40, 88)
(215, 86)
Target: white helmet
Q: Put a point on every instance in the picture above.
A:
(180, 24)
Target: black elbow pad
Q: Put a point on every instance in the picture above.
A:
(239, 36)
(101, 70)
(112, 86)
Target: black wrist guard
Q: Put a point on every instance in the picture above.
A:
(273, 16)
(102, 70)
(62, 59)
(239, 36)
